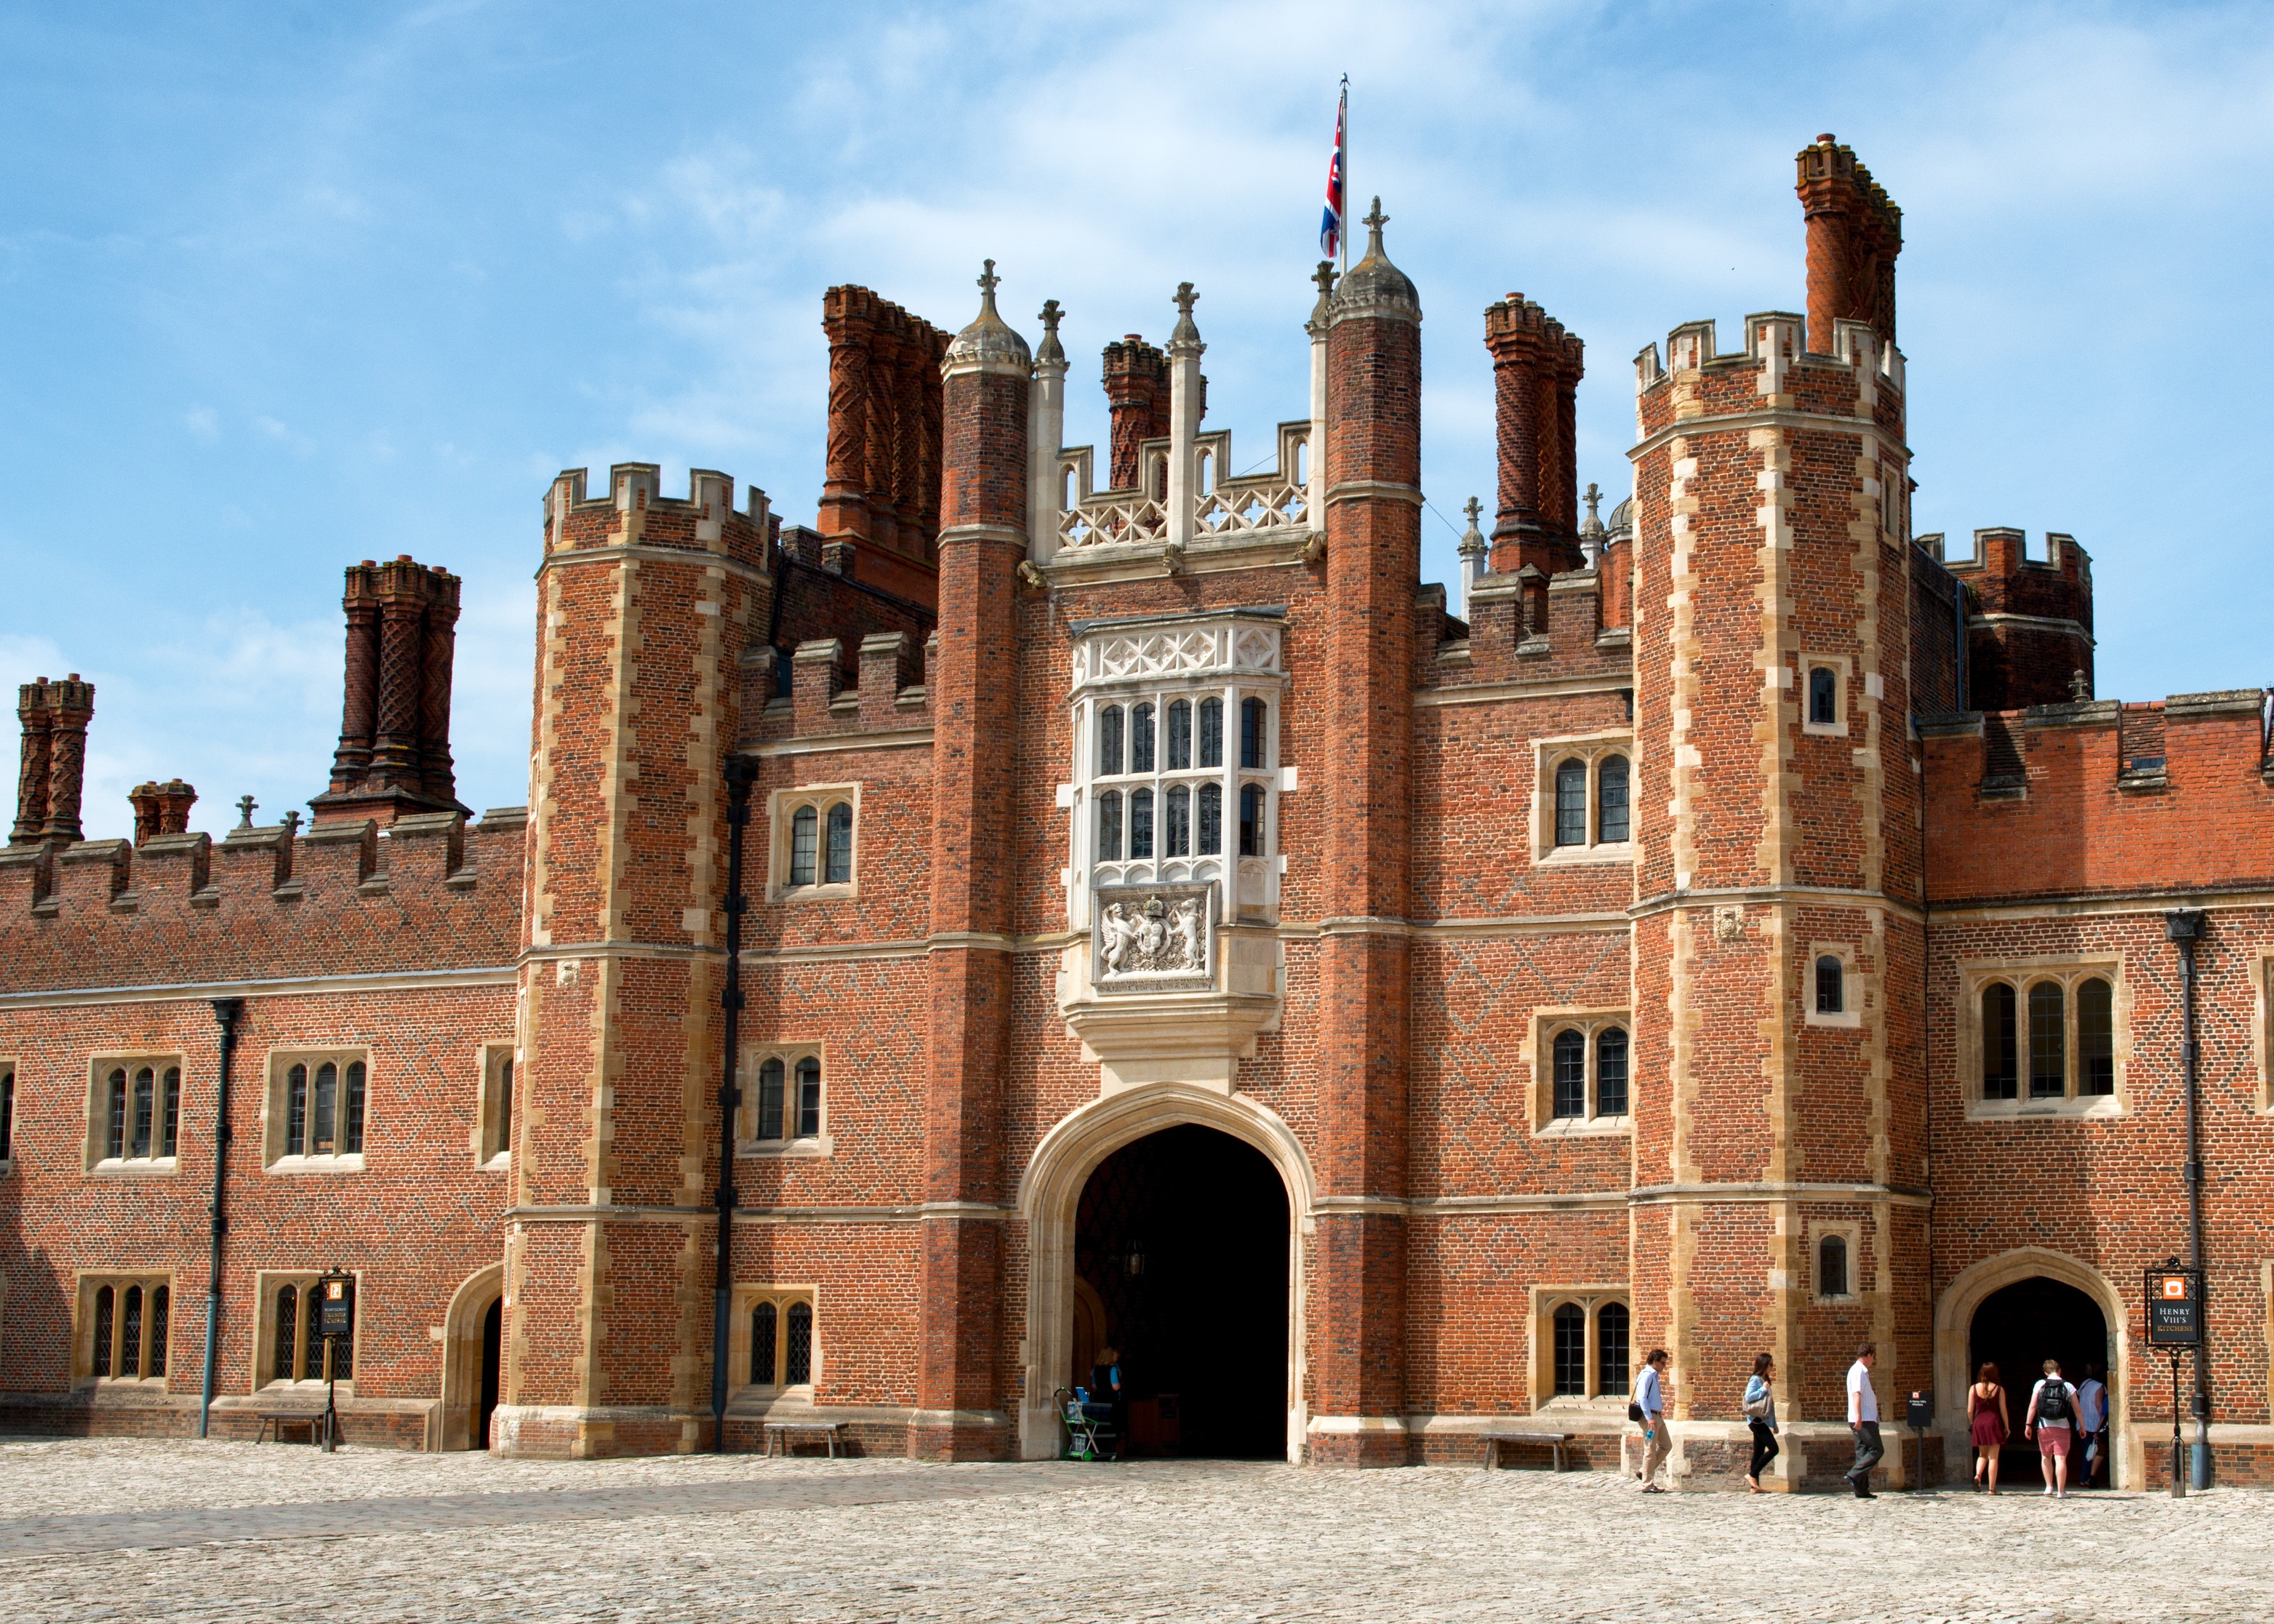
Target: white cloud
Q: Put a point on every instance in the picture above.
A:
(203, 423)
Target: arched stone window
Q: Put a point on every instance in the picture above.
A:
(765, 1318)
(804, 844)
(1570, 1073)
(1140, 738)
(1611, 1348)
(1831, 985)
(2095, 1037)
(1570, 1331)
(2001, 1070)
(1253, 718)
(1611, 1072)
(2048, 1067)
(1109, 741)
(797, 1356)
(1180, 734)
(1211, 732)
(837, 846)
(1109, 826)
(1611, 823)
(1571, 803)
(814, 843)
(1178, 834)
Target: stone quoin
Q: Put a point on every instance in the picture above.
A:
(1168, 927)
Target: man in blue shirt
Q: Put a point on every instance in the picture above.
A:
(1650, 1398)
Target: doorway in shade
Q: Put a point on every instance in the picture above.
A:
(1181, 1253)
(2018, 1328)
(492, 1348)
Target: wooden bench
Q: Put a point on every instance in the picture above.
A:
(1494, 1442)
(313, 1419)
(786, 1431)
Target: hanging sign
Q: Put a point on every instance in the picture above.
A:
(2174, 1307)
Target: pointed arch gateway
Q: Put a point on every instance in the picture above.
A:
(1049, 1197)
(470, 1366)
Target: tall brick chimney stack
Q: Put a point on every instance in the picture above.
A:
(32, 777)
(70, 707)
(1137, 395)
(161, 808)
(393, 755)
(879, 513)
(1373, 570)
(1536, 370)
(987, 375)
(1854, 235)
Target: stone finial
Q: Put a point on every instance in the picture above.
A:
(989, 344)
(988, 282)
(1184, 331)
(1053, 351)
(1594, 494)
(1474, 507)
(244, 808)
(2079, 687)
(1373, 286)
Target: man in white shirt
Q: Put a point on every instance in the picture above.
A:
(2092, 1421)
(1863, 1421)
(1650, 1398)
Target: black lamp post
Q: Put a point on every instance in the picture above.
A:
(741, 773)
(2183, 927)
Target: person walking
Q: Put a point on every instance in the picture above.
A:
(2053, 1422)
(2092, 1423)
(1863, 1421)
(1649, 1408)
(1761, 1415)
(1987, 1424)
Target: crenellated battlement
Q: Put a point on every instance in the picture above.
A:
(260, 903)
(2096, 795)
(889, 690)
(634, 512)
(1775, 362)
(2029, 621)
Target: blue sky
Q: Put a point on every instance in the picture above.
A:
(285, 286)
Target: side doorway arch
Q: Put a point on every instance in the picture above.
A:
(1049, 1198)
(471, 1368)
(1953, 1327)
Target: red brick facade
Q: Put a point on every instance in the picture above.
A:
(1596, 960)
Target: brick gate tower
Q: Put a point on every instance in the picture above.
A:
(645, 603)
(1374, 557)
(1779, 931)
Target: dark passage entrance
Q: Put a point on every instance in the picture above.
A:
(493, 1346)
(1182, 1239)
(2019, 1328)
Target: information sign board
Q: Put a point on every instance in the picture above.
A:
(2174, 1308)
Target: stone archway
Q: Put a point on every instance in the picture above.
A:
(1051, 1191)
(462, 1355)
(1954, 1320)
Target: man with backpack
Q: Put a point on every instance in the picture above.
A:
(2052, 1421)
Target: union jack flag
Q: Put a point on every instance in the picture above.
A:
(1330, 224)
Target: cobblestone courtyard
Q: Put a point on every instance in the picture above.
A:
(133, 1528)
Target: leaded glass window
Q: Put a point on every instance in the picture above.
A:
(769, 1099)
(1611, 1357)
(2095, 1037)
(288, 1330)
(1831, 1266)
(105, 1326)
(1180, 734)
(1570, 1073)
(1611, 1072)
(1178, 841)
(161, 1307)
(170, 1121)
(1141, 820)
(797, 1362)
(1611, 800)
(1211, 820)
(1141, 739)
(117, 1136)
(1570, 1351)
(837, 866)
(320, 1135)
(1823, 696)
(1211, 732)
(809, 1098)
(1251, 820)
(1109, 826)
(1831, 989)
(1109, 741)
(1571, 803)
(351, 1111)
(295, 1111)
(144, 1102)
(2048, 1072)
(129, 1335)
(2000, 1056)
(1252, 714)
(763, 1318)
(803, 830)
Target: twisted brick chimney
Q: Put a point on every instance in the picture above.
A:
(879, 514)
(1536, 370)
(1855, 233)
(393, 755)
(50, 779)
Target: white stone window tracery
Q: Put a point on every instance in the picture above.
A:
(1177, 779)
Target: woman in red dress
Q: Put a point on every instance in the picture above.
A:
(1986, 1423)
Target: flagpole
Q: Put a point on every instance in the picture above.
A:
(1342, 202)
